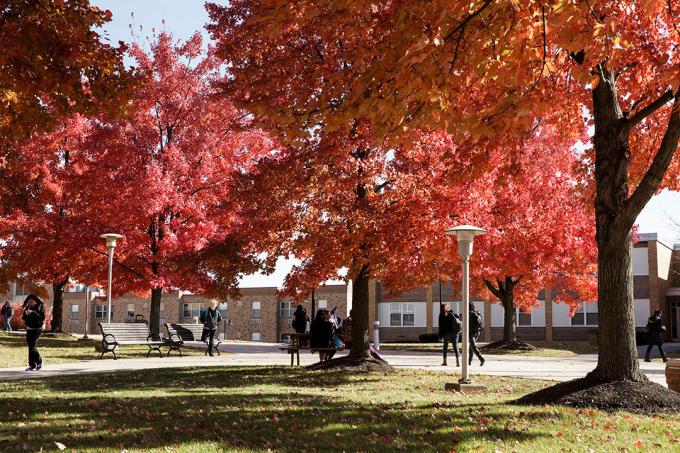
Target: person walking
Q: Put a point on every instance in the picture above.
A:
(475, 328)
(300, 319)
(210, 318)
(7, 314)
(655, 333)
(448, 331)
(34, 318)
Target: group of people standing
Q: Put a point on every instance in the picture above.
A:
(326, 331)
(451, 329)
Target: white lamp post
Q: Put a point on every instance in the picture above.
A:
(465, 234)
(110, 244)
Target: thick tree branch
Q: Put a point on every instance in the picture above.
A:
(496, 292)
(649, 109)
(652, 179)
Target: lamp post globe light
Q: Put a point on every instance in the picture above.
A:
(465, 235)
(110, 244)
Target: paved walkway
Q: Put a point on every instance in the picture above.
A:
(244, 354)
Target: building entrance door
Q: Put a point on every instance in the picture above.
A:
(675, 320)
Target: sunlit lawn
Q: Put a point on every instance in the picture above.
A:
(13, 352)
(543, 349)
(291, 409)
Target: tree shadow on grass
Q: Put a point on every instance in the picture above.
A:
(284, 421)
(202, 379)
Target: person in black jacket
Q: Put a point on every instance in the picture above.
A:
(34, 318)
(476, 325)
(655, 332)
(210, 318)
(449, 330)
(300, 319)
(321, 334)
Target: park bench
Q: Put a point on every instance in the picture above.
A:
(294, 348)
(186, 334)
(116, 334)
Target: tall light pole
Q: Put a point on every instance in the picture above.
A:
(110, 244)
(465, 234)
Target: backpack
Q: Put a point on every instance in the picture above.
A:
(457, 325)
(476, 322)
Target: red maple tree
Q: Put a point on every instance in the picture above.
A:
(483, 69)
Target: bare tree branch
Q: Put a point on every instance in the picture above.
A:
(649, 109)
(650, 182)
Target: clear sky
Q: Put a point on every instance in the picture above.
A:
(184, 17)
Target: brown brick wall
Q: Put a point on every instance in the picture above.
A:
(523, 333)
(575, 334)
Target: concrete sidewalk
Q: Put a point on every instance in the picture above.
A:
(258, 354)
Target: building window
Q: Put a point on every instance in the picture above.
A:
(402, 315)
(192, 310)
(586, 315)
(255, 311)
(256, 321)
(323, 305)
(162, 314)
(255, 336)
(222, 308)
(100, 311)
(286, 309)
(522, 318)
(131, 311)
(75, 311)
(284, 338)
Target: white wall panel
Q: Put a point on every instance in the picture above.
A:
(561, 315)
(642, 312)
(640, 261)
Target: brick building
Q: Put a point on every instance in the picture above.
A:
(656, 277)
(257, 315)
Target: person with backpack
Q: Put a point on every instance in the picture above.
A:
(322, 334)
(475, 328)
(7, 314)
(449, 330)
(655, 333)
(34, 318)
(210, 318)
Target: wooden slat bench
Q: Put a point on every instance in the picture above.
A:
(184, 334)
(116, 334)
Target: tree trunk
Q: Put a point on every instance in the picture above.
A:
(360, 307)
(504, 291)
(58, 305)
(155, 312)
(617, 354)
(509, 329)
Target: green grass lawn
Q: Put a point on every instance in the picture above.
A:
(544, 349)
(292, 409)
(63, 349)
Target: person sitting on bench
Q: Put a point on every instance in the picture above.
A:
(322, 334)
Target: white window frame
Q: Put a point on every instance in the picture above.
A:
(403, 309)
(192, 308)
(131, 313)
(100, 311)
(322, 305)
(256, 309)
(255, 336)
(517, 313)
(585, 309)
(75, 312)
(286, 309)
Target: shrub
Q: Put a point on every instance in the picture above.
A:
(428, 338)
